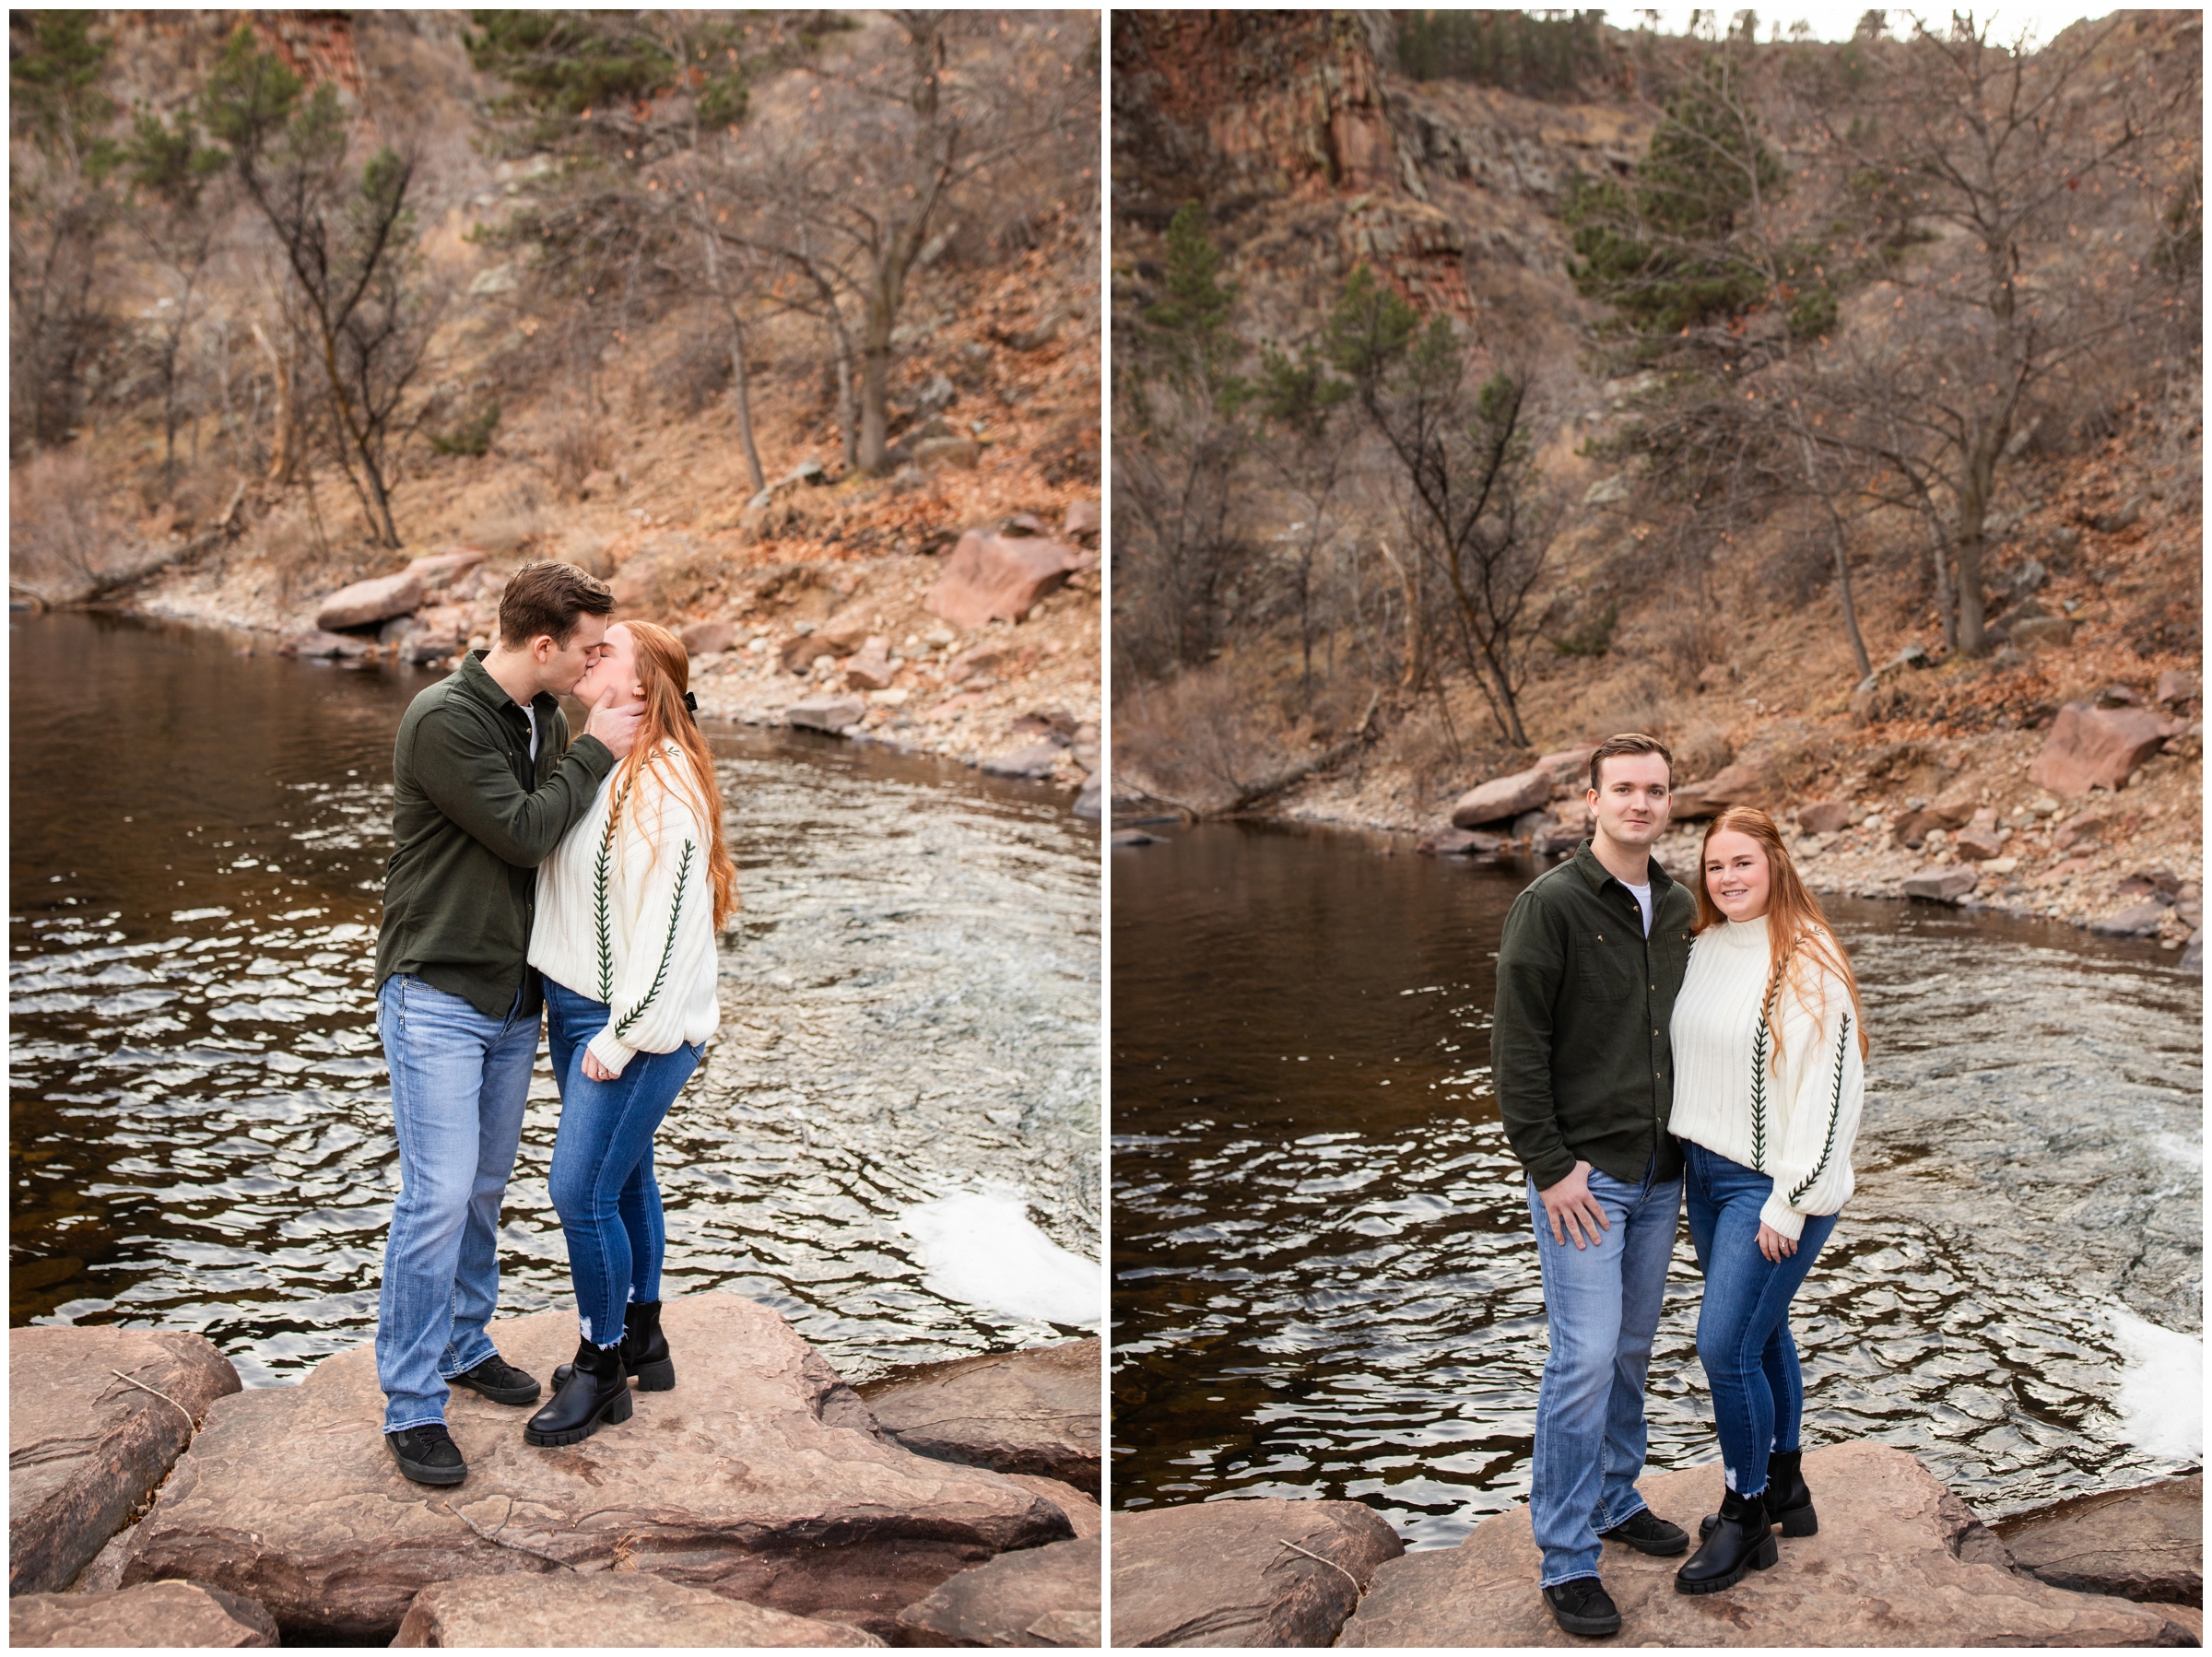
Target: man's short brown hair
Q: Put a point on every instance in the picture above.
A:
(1628, 742)
(546, 598)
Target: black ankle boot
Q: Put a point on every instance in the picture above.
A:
(1741, 1541)
(644, 1350)
(594, 1390)
(1788, 1501)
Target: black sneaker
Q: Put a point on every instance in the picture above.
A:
(1648, 1534)
(428, 1454)
(499, 1380)
(1582, 1606)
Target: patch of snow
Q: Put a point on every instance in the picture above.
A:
(981, 1248)
(2161, 1398)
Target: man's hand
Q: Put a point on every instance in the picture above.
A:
(1774, 1245)
(596, 1070)
(1570, 1201)
(617, 727)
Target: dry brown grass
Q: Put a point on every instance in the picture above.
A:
(63, 539)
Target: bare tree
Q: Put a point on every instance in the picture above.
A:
(855, 195)
(2037, 174)
(168, 171)
(349, 246)
(1473, 504)
(59, 211)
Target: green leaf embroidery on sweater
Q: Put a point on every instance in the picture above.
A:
(1835, 1111)
(676, 912)
(1759, 1096)
(1762, 1043)
(599, 912)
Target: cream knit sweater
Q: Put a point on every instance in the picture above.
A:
(1792, 1115)
(626, 916)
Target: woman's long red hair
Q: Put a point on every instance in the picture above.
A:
(1798, 935)
(665, 670)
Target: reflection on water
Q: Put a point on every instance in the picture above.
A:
(1322, 1278)
(200, 1126)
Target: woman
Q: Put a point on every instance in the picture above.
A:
(1769, 1044)
(627, 907)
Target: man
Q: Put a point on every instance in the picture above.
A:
(485, 782)
(1593, 955)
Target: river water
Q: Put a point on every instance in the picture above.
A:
(1324, 1284)
(200, 1132)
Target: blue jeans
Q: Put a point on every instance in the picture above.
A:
(1743, 1321)
(602, 1180)
(459, 1082)
(1602, 1303)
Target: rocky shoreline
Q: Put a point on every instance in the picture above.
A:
(988, 655)
(1898, 1560)
(2094, 821)
(762, 1502)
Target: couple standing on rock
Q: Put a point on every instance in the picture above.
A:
(531, 875)
(1648, 1041)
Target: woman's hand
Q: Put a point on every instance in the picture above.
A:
(600, 1073)
(1772, 1243)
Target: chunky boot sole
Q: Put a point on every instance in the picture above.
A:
(612, 1411)
(1765, 1557)
(1797, 1521)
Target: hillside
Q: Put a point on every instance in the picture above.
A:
(602, 411)
(1708, 615)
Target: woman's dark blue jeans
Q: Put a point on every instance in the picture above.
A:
(602, 1180)
(1744, 1320)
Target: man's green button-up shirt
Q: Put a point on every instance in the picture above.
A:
(472, 817)
(1578, 1049)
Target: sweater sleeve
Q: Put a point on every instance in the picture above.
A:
(665, 885)
(460, 768)
(1532, 956)
(1824, 1088)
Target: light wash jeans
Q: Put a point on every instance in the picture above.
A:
(459, 1084)
(602, 1182)
(1744, 1317)
(1602, 1303)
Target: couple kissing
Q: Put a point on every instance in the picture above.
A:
(532, 879)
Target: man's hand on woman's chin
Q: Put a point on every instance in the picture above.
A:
(1570, 1201)
(617, 727)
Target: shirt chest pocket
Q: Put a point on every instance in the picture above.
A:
(1610, 966)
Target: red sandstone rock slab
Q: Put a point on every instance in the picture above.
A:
(1502, 798)
(84, 1448)
(1884, 1570)
(1084, 1516)
(1000, 577)
(624, 1609)
(1034, 1411)
(2090, 747)
(1223, 1573)
(2141, 1545)
(378, 599)
(159, 1614)
(760, 1477)
(1042, 1596)
(1823, 816)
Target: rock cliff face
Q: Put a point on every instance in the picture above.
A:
(1243, 108)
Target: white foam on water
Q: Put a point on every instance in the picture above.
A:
(2161, 1399)
(981, 1249)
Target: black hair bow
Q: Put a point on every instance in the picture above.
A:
(691, 702)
